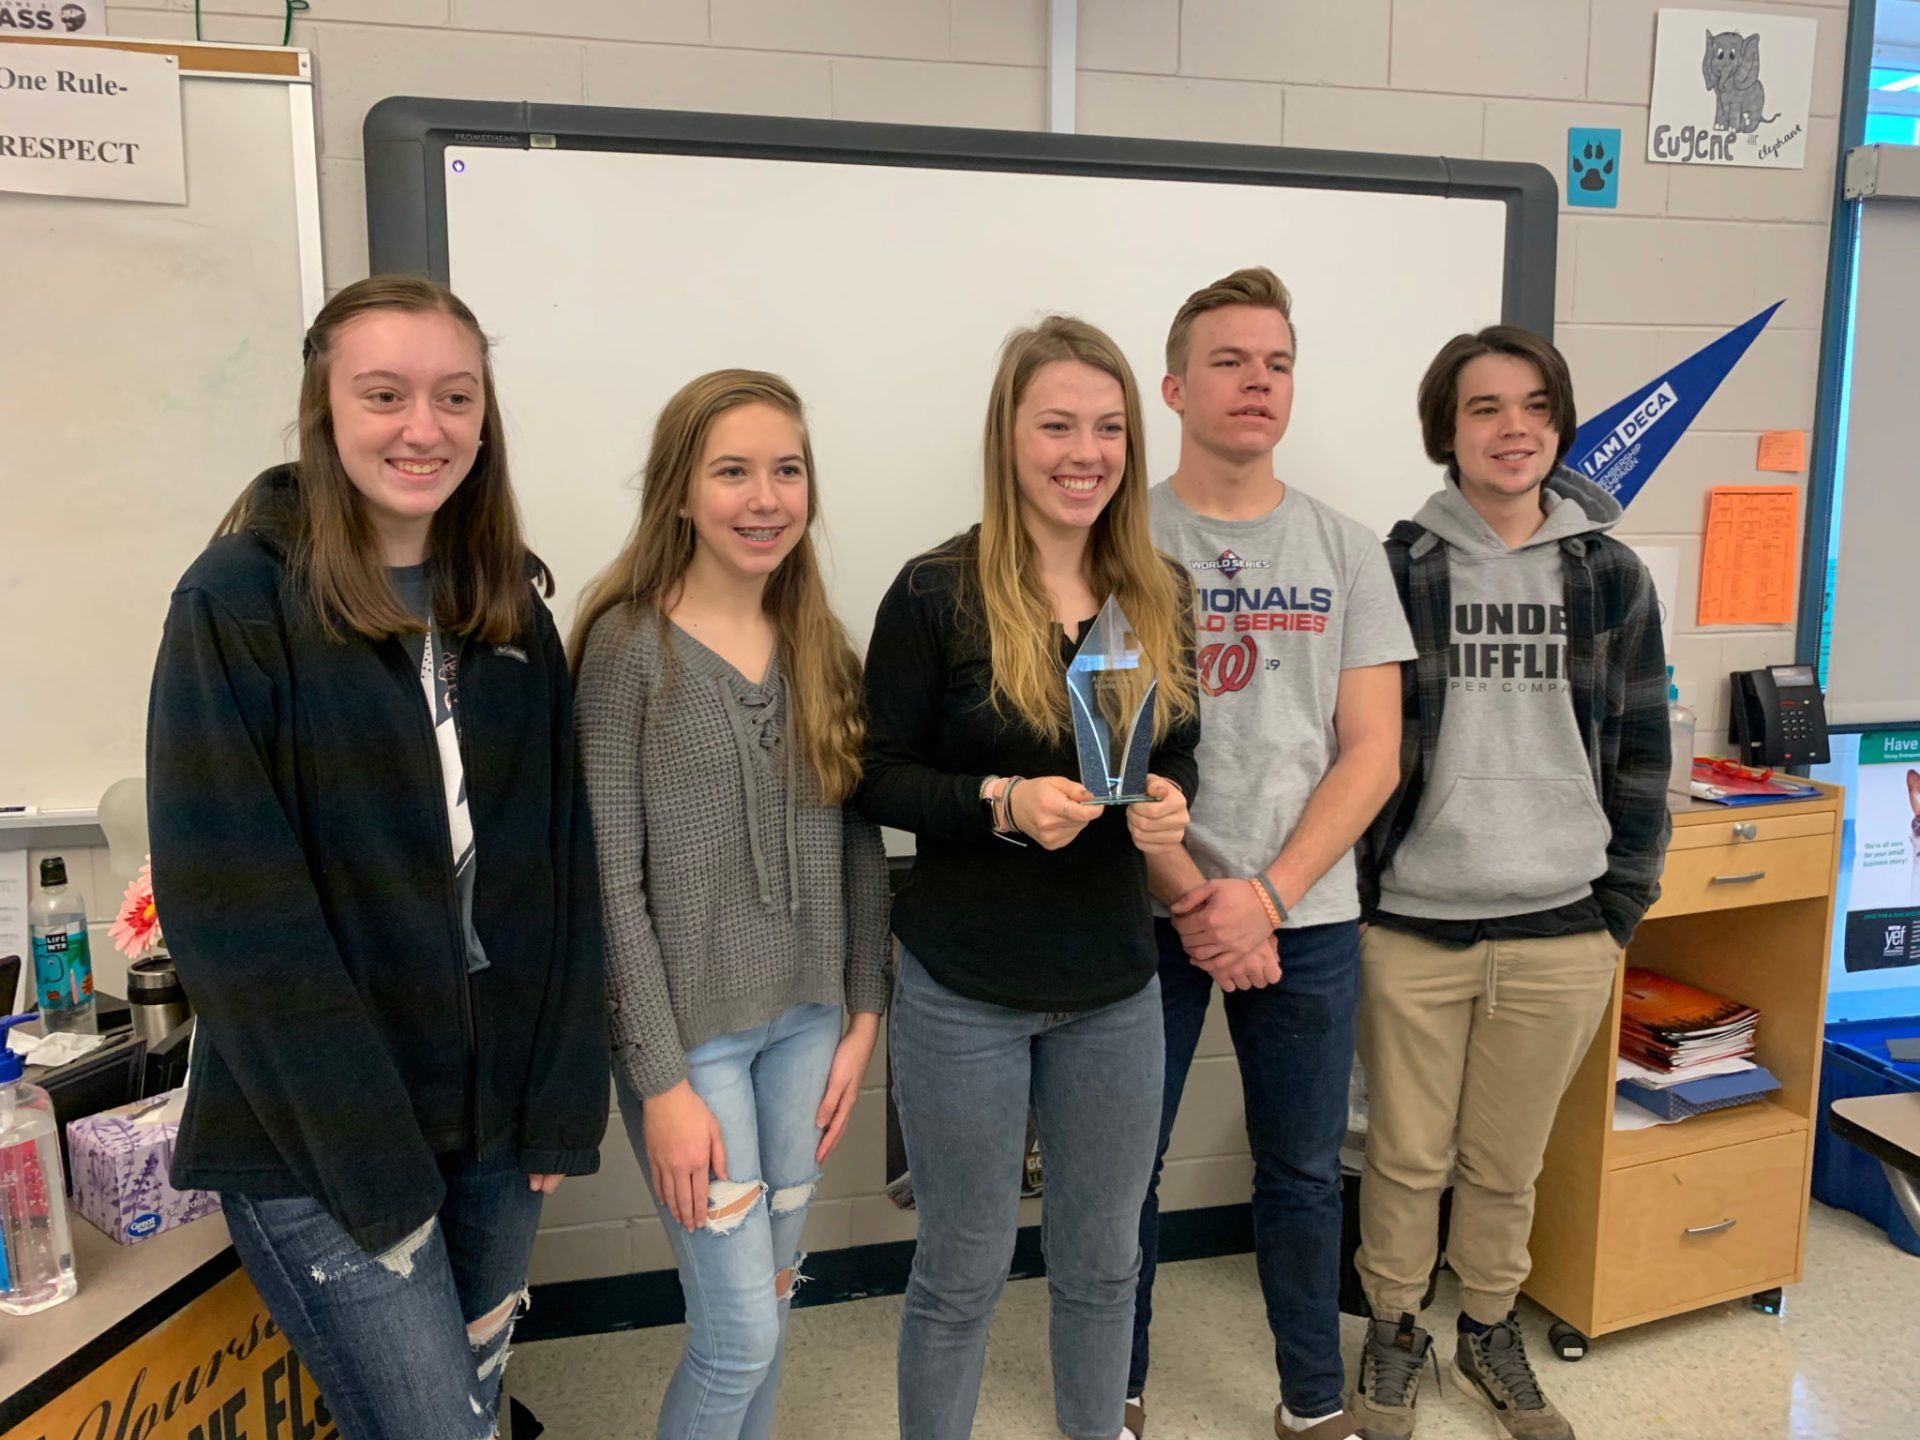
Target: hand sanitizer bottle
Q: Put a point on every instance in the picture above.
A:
(36, 1246)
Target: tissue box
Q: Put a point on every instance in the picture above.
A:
(120, 1159)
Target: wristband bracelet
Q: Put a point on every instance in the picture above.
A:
(990, 800)
(1269, 899)
(1004, 827)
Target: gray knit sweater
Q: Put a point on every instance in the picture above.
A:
(732, 891)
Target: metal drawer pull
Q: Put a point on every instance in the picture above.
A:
(1746, 879)
(1746, 830)
(1709, 1229)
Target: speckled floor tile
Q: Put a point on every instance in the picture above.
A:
(1842, 1363)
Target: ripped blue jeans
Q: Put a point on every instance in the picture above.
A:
(408, 1344)
(764, 1087)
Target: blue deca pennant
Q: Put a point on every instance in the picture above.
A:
(1620, 447)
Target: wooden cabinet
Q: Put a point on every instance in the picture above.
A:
(1633, 1225)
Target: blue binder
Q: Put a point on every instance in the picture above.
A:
(1696, 1097)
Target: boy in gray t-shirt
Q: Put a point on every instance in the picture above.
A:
(1299, 639)
(1284, 605)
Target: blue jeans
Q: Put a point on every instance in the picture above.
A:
(386, 1335)
(1294, 1042)
(764, 1087)
(963, 1072)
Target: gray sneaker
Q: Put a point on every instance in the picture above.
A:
(1389, 1382)
(1495, 1370)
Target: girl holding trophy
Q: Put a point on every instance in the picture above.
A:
(1027, 963)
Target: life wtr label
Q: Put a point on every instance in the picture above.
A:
(63, 968)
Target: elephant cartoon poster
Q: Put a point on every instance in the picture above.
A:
(1731, 88)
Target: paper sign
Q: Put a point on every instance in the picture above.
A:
(62, 17)
(1784, 450)
(1663, 567)
(15, 896)
(78, 120)
(1746, 566)
(1731, 88)
(1593, 167)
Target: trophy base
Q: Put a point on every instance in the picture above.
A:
(1119, 800)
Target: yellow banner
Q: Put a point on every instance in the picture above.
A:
(217, 1370)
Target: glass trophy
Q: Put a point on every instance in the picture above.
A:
(1110, 689)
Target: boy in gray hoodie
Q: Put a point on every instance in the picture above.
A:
(1507, 873)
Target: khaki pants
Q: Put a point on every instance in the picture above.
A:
(1469, 1049)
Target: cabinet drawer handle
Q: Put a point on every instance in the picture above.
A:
(1709, 1229)
(1746, 879)
(1746, 830)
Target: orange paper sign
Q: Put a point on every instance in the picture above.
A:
(1746, 565)
(1784, 450)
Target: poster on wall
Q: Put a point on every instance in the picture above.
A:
(1731, 88)
(1883, 874)
(1875, 961)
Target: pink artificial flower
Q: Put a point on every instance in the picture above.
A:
(137, 930)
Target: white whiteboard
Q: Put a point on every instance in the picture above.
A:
(609, 278)
(149, 369)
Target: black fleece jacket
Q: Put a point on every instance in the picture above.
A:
(303, 874)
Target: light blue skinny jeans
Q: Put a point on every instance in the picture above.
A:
(764, 1087)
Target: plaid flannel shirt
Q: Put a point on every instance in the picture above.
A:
(1616, 661)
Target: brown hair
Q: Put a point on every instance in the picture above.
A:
(1255, 285)
(818, 659)
(482, 566)
(1440, 387)
(1120, 560)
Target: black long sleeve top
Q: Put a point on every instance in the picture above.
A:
(1028, 928)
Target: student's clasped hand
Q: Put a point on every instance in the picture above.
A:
(1159, 824)
(1051, 809)
(1225, 930)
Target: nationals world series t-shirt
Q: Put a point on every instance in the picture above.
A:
(1282, 604)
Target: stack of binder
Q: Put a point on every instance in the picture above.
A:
(1684, 1051)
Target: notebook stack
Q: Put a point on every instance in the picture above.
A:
(1684, 1050)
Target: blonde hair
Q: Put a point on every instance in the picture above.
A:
(823, 673)
(481, 565)
(1120, 561)
(1255, 285)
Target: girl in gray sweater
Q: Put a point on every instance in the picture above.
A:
(720, 731)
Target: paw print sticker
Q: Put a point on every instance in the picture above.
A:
(1592, 174)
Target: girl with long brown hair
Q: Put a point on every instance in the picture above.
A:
(720, 724)
(371, 846)
(1027, 964)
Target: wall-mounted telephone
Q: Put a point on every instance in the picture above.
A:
(1779, 717)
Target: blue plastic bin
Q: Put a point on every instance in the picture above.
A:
(1844, 1175)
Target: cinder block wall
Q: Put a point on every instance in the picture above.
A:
(1688, 253)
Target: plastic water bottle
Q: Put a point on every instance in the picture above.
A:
(36, 1245)
(62, 962)
(1681, 726)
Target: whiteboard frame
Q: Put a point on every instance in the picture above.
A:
(406, 137)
